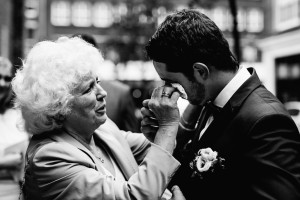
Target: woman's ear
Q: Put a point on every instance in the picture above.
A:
(59, 118)
(200, 71)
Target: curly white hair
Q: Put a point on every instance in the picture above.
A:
(45, 84)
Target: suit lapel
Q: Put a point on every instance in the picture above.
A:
(123, 158)
(215, 129)
(65, 137)
(219, 125)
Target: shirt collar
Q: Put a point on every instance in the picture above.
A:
(231, 87)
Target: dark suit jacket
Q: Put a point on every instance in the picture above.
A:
(120, 106)
(260, 144)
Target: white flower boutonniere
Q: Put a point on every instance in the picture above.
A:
(206, 161)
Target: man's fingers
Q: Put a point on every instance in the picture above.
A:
(148, 121)
(145, 103)
(147, 113)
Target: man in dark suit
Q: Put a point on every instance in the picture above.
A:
(254, 144)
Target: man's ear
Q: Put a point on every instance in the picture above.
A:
(200, 70)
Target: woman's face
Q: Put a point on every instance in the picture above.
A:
(88, 107)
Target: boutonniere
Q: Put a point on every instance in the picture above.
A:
(205, 162)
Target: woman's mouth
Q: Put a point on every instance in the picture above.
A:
(101, 109)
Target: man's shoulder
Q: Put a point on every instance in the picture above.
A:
(262, 106)
(263, 101)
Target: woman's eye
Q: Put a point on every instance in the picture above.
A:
(88, 90)
(98, 81)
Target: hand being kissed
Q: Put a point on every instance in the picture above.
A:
(161, 111)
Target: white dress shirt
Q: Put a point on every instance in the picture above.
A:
(227, 92)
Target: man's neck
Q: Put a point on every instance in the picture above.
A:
(217, 82)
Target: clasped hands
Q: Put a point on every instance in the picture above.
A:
(160, 117)
(160, 122)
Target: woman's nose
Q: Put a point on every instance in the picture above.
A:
(100, 92)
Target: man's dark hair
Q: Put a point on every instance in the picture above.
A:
(189, 36)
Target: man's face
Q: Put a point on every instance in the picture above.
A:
(5, 79)
(195, 91)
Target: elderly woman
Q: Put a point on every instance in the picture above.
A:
(76, 152)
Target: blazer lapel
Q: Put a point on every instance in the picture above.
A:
(218, 126)
(123, 158)
(65, 137)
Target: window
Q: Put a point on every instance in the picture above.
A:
(286, 14)
(219, 16)
(60, 13)
(103, 14)
(161, 14)
(255, 20)
(81, 14)
(242, 20)
(119, 11)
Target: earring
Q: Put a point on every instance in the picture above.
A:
(59, 118)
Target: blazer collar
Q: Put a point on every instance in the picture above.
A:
(226, 113)
(65, 137)
(126, 163)
(123, 158)
(244, 91)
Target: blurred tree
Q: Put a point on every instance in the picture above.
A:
(136, 27)
(235, 32)
(141, 20)
(233, 11)
(17, 32)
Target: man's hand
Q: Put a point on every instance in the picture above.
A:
(177, 194)
(149, 123)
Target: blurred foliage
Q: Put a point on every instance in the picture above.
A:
(136, 27)
(233, 11)
(202, 3)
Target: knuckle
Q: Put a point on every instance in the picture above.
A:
(153, 104)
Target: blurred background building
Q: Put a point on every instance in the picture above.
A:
(264, 34)
(281, 50)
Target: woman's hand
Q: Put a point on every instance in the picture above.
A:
(161, 117)
(163, 104)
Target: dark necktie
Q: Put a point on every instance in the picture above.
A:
(213, 109)
(208, 110)
(191, 148)
(205, 114)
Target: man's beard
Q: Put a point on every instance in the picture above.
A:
(197, 94)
